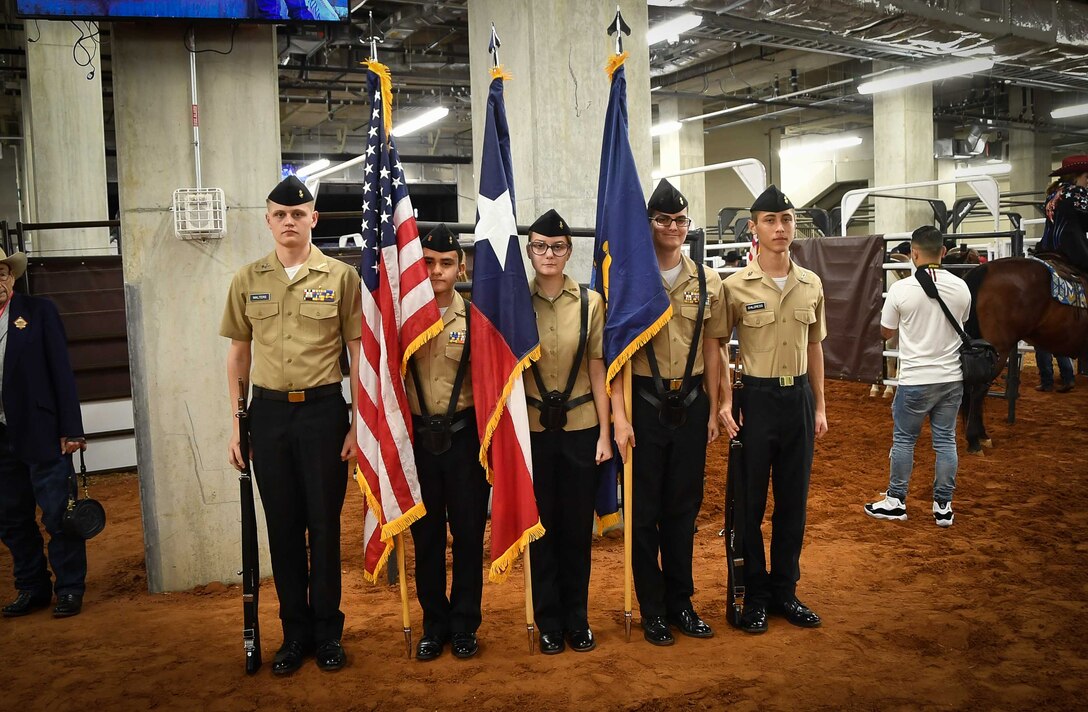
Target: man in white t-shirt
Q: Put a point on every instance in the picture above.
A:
(930, 379)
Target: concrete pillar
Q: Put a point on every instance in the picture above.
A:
(556, 51)
(903, 143)
(1029, 153)
(175, 289)
(684, 149)
(66, 154)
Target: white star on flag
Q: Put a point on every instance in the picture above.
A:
(496, 224)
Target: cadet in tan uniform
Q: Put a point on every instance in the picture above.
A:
(288, 316)
(778, 310)
(675, 392)
(571, 435)
(451, 481)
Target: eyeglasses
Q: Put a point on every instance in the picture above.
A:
(664, 221)
(4, 276)
(541, 248)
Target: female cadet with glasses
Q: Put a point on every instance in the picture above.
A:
(570, 436)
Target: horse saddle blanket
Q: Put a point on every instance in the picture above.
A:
(1066, 285)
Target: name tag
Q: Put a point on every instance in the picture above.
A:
(260, 297)
(457, 337)
(755, 307)
(319, 295)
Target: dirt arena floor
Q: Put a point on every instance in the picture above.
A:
(989, 614)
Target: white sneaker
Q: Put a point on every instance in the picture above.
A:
(943, 516)
(887, 508)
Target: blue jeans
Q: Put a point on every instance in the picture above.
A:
(941, 402)
(1044, 359)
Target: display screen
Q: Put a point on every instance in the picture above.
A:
(254, 10)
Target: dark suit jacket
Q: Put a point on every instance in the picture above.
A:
(39, 390)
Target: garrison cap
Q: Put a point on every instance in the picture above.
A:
(441, 239)
(772, 200)
(550, 224)
(291, 191)
(666, 199)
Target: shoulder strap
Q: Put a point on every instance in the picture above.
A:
(583, 334)
(930, 288)
(423, 410)
(697, 336)
(462, 367)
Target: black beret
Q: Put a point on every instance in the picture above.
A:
(291, 191)
(441, 240)
(772, 200)
(550, 224)
(666, 199)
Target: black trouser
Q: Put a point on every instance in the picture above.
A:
(668, 491)
(778, 434)
(455, 490)
(302, 480)
(24, 485)
(565, 479)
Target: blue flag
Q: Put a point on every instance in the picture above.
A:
(625, 268)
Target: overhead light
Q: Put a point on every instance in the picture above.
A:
(1066, 111)
(318, 165)
(933, 74)
(986, 169)
(665, 127)
(672, 29)
(425, 119)
(825, 145)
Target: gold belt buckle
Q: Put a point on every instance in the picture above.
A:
(296, 396)
(676, 384)
(785, 380)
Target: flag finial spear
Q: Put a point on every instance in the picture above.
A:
(373, 39)
(493, 46)
(619, 28)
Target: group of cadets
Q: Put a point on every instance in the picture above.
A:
(289, 313)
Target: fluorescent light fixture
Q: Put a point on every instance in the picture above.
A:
(826, 145)
(318, 165)
(665, 127)
(933, 74)
(986, 169)
(1066, 111)
(672, 29)
(425, 119)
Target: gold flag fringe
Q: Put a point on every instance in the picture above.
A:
(617, 364)
(496, 415)
(615, 62)
(429, 333)
(499, 72)
(502, 566)
(387, 92)
(389, 529)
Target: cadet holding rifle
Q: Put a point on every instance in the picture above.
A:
(289, 315)
(251, 566)
(778, 309)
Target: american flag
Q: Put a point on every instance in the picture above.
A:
(399, 316)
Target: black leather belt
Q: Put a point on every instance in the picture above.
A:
(671, 384)
(303, 396)
(780, 382)
(458, 422)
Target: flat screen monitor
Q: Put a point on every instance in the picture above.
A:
(241, 10)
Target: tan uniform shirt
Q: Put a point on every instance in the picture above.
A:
(775, 327)
(559, 325)
(437, 362)
(672, 342)
(298, 326)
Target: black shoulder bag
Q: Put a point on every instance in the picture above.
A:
(978, 357)
(85, 517)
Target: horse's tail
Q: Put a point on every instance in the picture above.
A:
(974, 279)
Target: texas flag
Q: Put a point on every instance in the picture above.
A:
(504, 340)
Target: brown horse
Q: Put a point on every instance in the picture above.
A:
(1010, 302)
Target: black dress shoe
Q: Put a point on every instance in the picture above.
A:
(68, 604)
(26, 602)
(582, 641)
(690, 624)
(797, 613)
(753, 620)
(464, 645)
(655, 629)
(429, 648)
(552, 643)
(288, 658)
(330, 655)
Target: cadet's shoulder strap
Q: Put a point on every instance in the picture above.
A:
(414, 370)
(697, 336)
(583, 337)
(462, 367)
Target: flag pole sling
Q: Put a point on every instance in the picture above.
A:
(628, 499)
(405, 616)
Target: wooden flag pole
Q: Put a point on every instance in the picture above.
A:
(405, 617)
(628, 498)
(529, 619)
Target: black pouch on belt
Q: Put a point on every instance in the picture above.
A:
(553, 410)
(435, 435)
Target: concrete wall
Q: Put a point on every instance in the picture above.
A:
(175, 290)
(723, 188)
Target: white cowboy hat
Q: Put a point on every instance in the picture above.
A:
(16, 263)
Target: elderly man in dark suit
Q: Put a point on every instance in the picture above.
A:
(40, 427)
